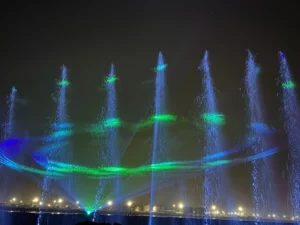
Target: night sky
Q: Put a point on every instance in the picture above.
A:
(36, 39)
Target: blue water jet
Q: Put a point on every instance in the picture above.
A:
(264, 197)
(158, 149)
(291, 112)
(59, 153)
(8, 133)
(111, 154)
(214, 182)
(9, 129)
(112, 133)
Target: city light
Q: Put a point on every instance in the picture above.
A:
(109, 203)
(215, 210)
(180, 206)
(35, 200)
(129, 203)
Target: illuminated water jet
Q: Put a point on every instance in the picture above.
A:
(59, 153)
(111, 153)
(159, 130)
(8, 133)
(291, 112)
(264, 197)
(9, 129)
(213, 183)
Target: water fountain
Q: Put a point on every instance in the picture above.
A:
(212, 180)
(9, 130)
(58, 153)
(110, 176)
(110, 154)
(159, 129)
(264, 195)
(8, 133)
(291, 112)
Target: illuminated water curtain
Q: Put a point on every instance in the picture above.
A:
(292, 126)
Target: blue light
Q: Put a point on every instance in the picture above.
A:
(291, 112)
(158, 149)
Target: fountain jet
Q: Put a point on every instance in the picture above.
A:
(212, 181)
(264, 198)
(291, 112)
(158, 149)
(58, 154)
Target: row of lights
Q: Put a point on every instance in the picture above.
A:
(180, 206)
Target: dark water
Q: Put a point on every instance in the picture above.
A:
(20, 218)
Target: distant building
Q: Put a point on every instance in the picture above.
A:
(199, 211)
(137, 208)
(146, 208)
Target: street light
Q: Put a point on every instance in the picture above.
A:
(60, 200)
(213, 207)
(109, 203)
(180, 206)
(240, 208)
(129, 204)
(35, 200)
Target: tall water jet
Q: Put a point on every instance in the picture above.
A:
(9, 128)
(264, 197)
(112, 133)
(291, 112)
(255, 116)
(212, 180)
(8, 133)
(57, 154)
(159, 129)
(110, 154)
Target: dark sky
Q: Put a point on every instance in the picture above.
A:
(36, 39)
